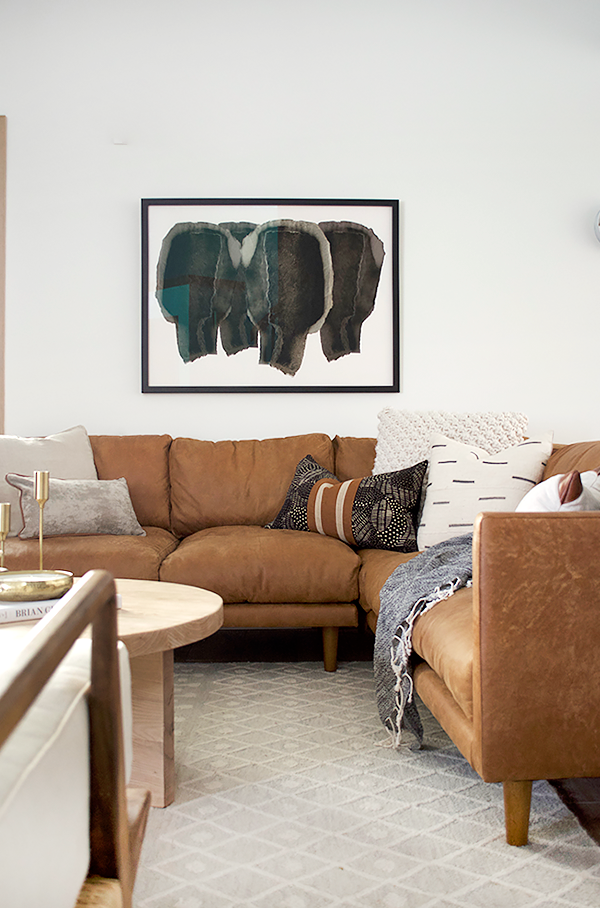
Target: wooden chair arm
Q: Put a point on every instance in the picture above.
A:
(117, 822)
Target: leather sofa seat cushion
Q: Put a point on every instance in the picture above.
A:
(144, 462)
(227, 483)
(582, 456)
(376, 567)
(443, 637)
(254, 564)
(138, 557)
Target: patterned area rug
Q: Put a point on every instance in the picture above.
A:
(288, 797)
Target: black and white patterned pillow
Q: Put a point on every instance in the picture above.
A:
(375, 512)
(465, 480)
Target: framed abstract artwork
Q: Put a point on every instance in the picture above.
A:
(270, 295)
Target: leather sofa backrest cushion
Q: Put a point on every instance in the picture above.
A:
(582, 456)
(354, 457)
(236, 483)
(144, 462)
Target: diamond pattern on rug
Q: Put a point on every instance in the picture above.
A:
(289, 796)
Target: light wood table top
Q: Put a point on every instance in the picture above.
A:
(153, 620)
(157, 616)
(154, 617)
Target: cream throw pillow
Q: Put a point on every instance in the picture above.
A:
(465, 480)
(78, 507)
(404, 436)
(66, 455)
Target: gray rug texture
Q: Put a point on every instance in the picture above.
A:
(289, 796)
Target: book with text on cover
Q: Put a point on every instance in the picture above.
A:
(25, 611)
(30, 611)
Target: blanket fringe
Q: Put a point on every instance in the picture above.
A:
(401, 650)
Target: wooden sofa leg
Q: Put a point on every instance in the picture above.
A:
(330, 647)
(517, 804)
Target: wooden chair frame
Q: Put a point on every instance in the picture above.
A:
(118, 815)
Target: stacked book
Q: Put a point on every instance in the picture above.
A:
(31, 611)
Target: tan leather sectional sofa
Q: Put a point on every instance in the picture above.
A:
(204, 506)
(509, 668)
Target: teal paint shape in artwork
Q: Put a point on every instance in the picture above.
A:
(175, 304)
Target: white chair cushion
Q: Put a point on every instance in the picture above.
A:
(44, 788)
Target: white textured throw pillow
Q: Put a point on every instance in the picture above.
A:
(465, 480)
(66, 455)
(78, 507)
(546, 495)
(404, 436)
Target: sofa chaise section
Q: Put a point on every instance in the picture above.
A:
(509, 666)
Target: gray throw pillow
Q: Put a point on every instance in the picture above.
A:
(66, 455)
(78, 507)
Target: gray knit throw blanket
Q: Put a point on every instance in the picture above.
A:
(411, 590)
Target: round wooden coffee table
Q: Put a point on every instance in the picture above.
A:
(154, 619)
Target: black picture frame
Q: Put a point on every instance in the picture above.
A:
(189, 247)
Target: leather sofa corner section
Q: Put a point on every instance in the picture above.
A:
(204, 506)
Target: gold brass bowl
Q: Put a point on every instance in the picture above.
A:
(33, 586)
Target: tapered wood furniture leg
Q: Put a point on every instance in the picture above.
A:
(100, 892)
(138, 808)
(330, 648)
(517, 804)
(156, 617)
(153, 733)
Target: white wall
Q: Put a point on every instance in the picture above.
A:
(480, 115)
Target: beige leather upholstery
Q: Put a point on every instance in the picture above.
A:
(443, 637)
(255, 564)
(376, 565)
(206, 504)
(536, 683)
(144, 462)
(227, 483)
(509, 668)
(582, 455)
(354, 457)
(138, 557)
(62, 746)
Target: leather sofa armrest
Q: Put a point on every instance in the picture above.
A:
(536, 609)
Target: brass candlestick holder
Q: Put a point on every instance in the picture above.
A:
(31, 586)
(42, 486)
(4, 529)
